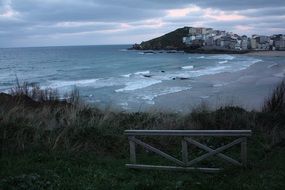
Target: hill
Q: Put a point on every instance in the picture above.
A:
(171, 40)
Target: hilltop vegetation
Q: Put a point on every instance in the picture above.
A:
(48, 143)
(171, 40)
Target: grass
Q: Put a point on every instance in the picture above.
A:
(52, 143)
(44, 170)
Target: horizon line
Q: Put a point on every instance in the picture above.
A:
(62, 46)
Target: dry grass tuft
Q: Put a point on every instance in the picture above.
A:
(276, 102)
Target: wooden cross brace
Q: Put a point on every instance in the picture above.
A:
(212, 152)
(184, 164)
(187, 135)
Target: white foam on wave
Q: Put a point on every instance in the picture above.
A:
(222, 62)
(220, 84)
(136, 73)
(136, 84)
(223, 56)
(93, 83)
(188, 67)
(189, 73)
(209, 71)
(167, 90)
(127, 75)
(142, 72)
(59, 84)
(246, 63)
(204, 97)
(273, 65)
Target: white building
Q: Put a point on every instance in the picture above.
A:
(253, 43)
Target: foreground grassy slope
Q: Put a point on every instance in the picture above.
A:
(43, 170)
(52, 144)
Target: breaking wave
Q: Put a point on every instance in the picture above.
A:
(138, 84)
(188, 67)
(222, 62)
(142, 72)
(150, 96)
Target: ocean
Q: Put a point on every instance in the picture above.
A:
(114, 77)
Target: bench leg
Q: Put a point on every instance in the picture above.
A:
(184, 151)
(133, 158)
(244, 152)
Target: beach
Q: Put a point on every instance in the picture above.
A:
(247, 88)
(267, 53)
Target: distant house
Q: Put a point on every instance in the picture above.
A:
(226, 42)
(280, 44)
(263, 42)
(188, 40)
(210, 41)
(195, 31)
(209, 31)
(263, 39)
(253, 43)
(222, 33)
(264, 46)
(244, 42)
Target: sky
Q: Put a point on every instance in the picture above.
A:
(26, 23)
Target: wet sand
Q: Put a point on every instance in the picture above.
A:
(267, 53)
(246, 88)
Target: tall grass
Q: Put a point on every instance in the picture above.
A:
(276, 102)
(36, 93)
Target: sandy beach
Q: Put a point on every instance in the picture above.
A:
(247, 88)
(267, 53)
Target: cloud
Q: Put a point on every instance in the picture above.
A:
(7, 12)
(223, 15)
(183, 11)
(78, 22)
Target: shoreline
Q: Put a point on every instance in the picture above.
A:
(267, 53)
(214, 51)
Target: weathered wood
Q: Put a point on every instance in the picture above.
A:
(244, 152)
(157, 151)
(184, 151)
(220, 155)
(175, 168)
(218, 150)
(185, 133)
(133, 158)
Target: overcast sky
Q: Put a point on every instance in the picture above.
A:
(91, 22)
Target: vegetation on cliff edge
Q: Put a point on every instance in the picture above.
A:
(49, 143)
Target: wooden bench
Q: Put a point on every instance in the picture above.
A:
(187, 138)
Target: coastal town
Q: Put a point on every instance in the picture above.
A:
(208, 38)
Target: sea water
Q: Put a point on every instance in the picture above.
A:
(129, 80)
